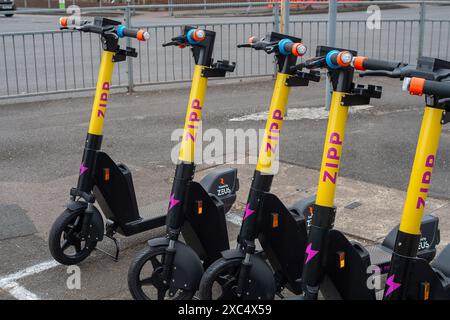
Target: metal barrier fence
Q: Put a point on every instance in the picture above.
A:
(395, 40)
(35, 63)
(61, 61)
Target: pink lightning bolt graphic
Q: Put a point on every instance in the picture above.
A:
(392, 285)
(173, 202)
(248, 212)
(83, 169)
(310, 252)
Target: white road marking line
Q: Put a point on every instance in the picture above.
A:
(19, 292)
(234, 218)
(38, 268)
(299, 114)
(9, 283)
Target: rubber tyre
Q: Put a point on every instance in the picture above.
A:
(134, 274)
(211, 274)
(54, 239)
(9, 15)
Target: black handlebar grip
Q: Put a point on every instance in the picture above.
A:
(92, 28)
(364, 63)
(440, 89)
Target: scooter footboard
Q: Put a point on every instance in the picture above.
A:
(205, 228)
(283, 238)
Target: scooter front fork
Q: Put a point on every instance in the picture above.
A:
(244, 272)
(169, 259)
(86, 228)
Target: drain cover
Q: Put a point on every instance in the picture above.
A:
(353, 205)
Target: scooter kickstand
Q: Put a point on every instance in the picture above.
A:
(280, 295)
(110, 235)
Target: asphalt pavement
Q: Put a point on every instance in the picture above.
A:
(41, 143)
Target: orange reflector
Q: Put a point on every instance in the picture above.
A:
(106, 175)
(311, 210)
(63, 21)
(341, 255)
(416, 86)
(252, 39)
(426, 290)
(274, 220)
(142, 35)
(358, 63)
(199, 207)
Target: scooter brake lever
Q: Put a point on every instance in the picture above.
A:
(444, 102)
(245, 45)
(378, 73)
(171, 43)
(298, 67)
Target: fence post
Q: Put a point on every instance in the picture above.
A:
(170, 2)
(249, 6)
(422, 27)
(285, 16)
(128, 43)
(331, 41)
(276, 28)
(276, 17)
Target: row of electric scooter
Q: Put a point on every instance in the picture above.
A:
(300, 251)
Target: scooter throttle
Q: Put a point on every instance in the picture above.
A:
(139, 34)
(287, 47)
(338, 59)
(195, 36)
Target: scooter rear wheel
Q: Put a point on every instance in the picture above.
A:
(220, 280)
(144, 277)
(65, 243)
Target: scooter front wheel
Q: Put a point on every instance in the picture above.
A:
(65, 241)
(219, 282)
(145, 279)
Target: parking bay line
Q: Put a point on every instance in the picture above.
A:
(9, 283)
